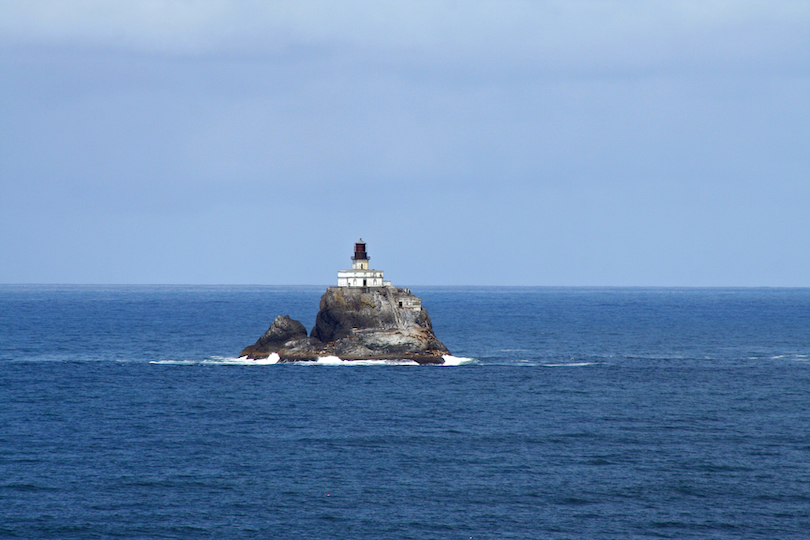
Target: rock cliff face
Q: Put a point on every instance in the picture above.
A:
(357, 323)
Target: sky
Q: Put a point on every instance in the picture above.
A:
(537, 143)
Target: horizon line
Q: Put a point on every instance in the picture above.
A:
(88, 284)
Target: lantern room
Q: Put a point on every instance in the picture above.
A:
(360, 257)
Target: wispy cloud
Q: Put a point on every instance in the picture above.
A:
(589, 33)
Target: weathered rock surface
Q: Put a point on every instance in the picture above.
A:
(285, 334)
(357, 323)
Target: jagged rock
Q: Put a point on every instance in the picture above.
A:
(283, 332)
(357, 323)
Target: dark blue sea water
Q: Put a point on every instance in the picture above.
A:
(585, 413)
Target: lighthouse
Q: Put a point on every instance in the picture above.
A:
(361, 275)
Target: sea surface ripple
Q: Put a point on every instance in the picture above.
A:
(584, 413)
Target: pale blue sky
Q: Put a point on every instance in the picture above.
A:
(474, 143)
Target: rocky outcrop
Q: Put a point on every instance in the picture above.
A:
(285, 336)
(357, 323)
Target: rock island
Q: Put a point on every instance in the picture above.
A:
(363, 318)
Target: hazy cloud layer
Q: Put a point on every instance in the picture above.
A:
(593, 33)
(590, 142)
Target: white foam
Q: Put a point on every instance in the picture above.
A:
(330, 360)
(222, 360)
(272, 359)
(450, 360)
(335, 361)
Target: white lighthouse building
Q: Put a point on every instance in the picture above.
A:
(360, 275)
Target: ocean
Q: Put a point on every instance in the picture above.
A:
(567, 413)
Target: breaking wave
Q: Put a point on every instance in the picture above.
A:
(222, 360)
(449, 360)
(335, 361)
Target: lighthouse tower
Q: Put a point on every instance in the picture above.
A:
(360, 257)
(360, 275)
